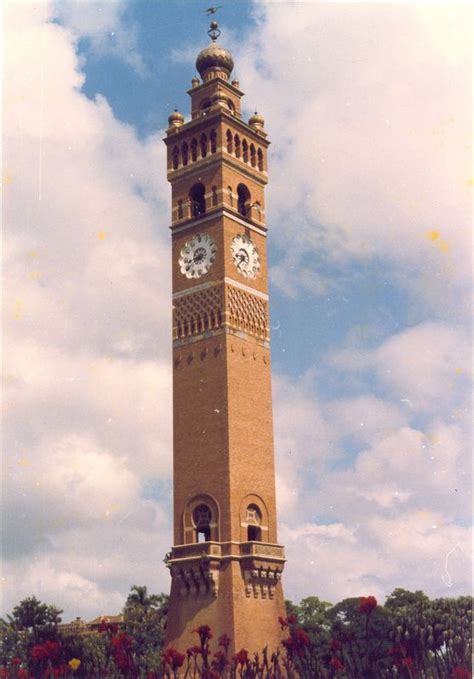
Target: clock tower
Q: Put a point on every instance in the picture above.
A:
(225, 563)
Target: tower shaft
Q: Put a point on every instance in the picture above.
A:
(226, 562)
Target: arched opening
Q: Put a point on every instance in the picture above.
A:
(184, 153)
(202, 516)
(198, 200)
(230, 141)
(203, 146)
(243, 200)
(253, 155)
(254, 520)
(237, 146)
(180, 209)
(214, 196)
(194, 149)
(205, 106)
(175, 157)
(213, 139)
(245, 151)
(231, 107)
(260, 159)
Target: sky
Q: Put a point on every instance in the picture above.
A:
(368, 108)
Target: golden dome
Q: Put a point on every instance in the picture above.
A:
(176, 118)
(214, 57)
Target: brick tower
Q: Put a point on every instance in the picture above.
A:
(225, 564)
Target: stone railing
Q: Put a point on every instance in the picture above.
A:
(262, 549)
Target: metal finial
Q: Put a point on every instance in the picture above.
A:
(214, 31)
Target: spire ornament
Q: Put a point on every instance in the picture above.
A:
(214, 31)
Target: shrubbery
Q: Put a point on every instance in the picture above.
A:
(410, 637)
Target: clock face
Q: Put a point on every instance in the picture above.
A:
(245, 256)
(197, 256)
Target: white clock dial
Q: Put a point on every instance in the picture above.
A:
(245, 256)
(197, 256)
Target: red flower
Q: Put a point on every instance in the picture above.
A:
(224, 641)
(47, 651)
(301, 638)
(242, 657)
(220, 660)
(16, 661)
(407, 662)
(23, 674)
(4, 672)
(204, 632)
(367, 604)
(173, 658)
(460, 673)
(194, 650)
(336, 664)
(336, 645)
(291, 620)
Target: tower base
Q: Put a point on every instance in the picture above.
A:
(225, 585)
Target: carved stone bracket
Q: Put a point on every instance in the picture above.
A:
(196, 579)
(261, 582)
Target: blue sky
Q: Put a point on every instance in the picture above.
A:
(368, 110)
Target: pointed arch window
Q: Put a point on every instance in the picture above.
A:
(198, 200)
(230, 141)
(243, 200)
(245, 151)
(202, 517)
(254, 521)
(260, 159)
(213, 140)
(175, 157)
(203, 146)
(184, 153)
(194, 150)
(253, 155)
(237, 146)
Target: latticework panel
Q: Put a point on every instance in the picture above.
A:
(247, 312)
(200, 311)
(209, 309)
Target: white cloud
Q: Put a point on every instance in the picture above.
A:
(86, 320)
(368, 109)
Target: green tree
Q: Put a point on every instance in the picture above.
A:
(361, 633)
(145, 623)
(40, 621)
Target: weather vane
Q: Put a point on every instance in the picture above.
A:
(214, 31)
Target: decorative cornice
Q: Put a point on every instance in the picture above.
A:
(220, 212)
(210, 284)
(225, 330)
(219, 157)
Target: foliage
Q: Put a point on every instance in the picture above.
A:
(411, 637)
